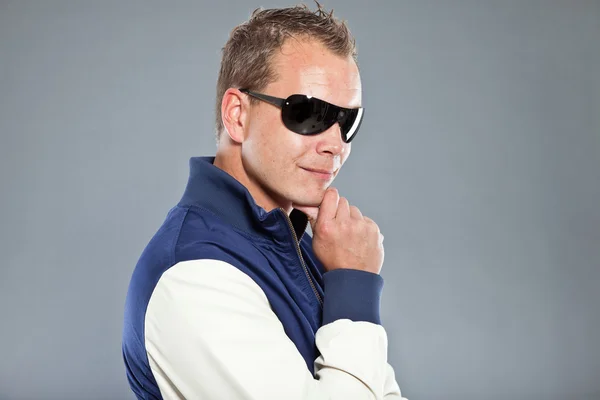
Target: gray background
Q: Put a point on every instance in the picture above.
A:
(479, 158)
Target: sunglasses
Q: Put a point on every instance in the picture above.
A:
(310, 116)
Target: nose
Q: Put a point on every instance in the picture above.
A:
(330, 141)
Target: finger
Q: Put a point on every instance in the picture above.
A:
(369, 220)
(343, 211)
(329, 205)
(355, 213)
(372, 224)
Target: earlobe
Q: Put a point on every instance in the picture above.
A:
(233, 114)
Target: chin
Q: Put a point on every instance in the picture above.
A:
(308, 197)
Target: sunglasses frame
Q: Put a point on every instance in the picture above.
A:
(279, 102)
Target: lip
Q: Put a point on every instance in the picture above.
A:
(321, 173)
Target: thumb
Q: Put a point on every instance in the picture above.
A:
(311, 212)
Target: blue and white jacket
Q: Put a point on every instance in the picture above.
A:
(228, 301)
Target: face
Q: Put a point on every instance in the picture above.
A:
(279, 161)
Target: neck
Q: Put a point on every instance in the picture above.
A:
(229, 159)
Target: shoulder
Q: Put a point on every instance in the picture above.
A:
(203, 235)
(192, 233)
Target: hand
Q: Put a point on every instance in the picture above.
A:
(342, 236)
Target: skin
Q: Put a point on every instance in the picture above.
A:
(267, 158)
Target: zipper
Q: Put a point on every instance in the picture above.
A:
(297, 244)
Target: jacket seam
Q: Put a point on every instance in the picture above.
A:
(236, 228)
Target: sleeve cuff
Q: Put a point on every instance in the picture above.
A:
(352, 294)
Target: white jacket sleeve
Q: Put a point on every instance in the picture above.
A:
(210, 333)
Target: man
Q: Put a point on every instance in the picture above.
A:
(231, 299)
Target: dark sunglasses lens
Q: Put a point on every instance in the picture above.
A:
(310, 116)
(307, 116)
(350, 120)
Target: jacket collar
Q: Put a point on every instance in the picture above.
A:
(215, 190)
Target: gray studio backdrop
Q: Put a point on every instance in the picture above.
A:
(479, 158)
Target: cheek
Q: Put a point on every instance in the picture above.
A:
(286, 147)
(262, 138)
(278, 148)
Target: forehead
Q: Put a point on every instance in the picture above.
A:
(307, 67)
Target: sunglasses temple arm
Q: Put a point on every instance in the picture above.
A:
(276, 101)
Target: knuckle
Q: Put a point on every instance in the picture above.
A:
(374, 229)
(371, 224)
(325, 228)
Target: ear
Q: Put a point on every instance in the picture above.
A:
(234, 113)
